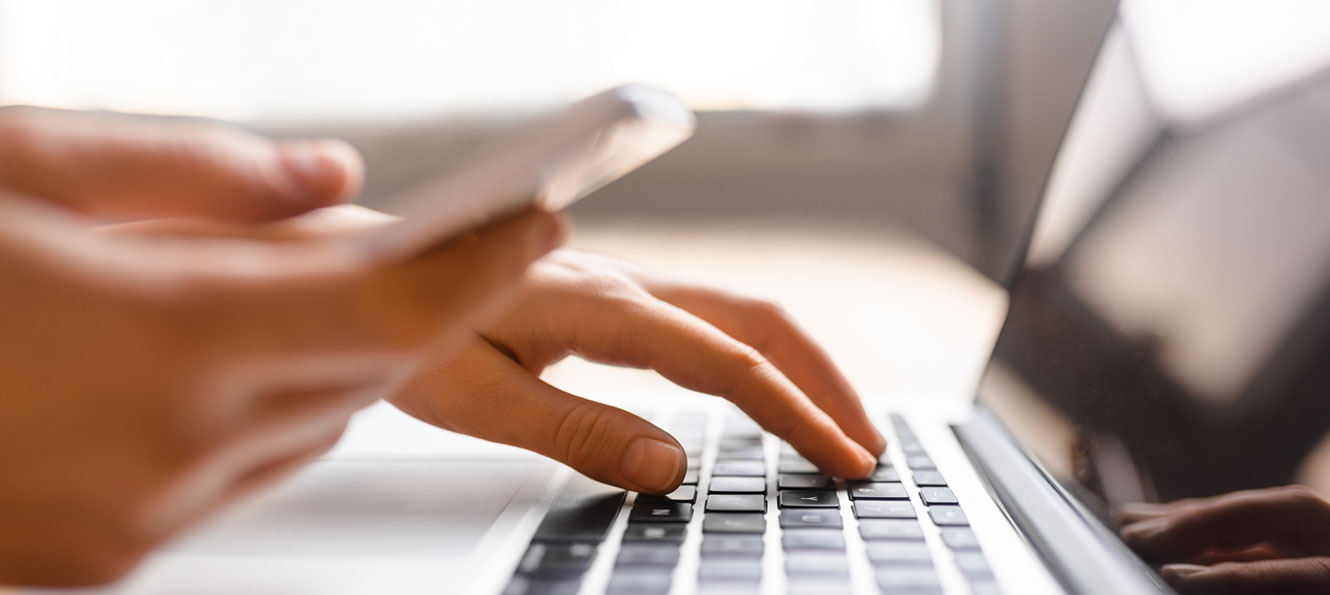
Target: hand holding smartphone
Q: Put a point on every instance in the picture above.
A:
(549, 164)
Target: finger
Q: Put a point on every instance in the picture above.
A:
(135, 167)
(1289, 517)
(384, 307)
(483, 393)
(788, 347)
(644, 332)
(1292, 576)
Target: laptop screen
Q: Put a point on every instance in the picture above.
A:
(1169, 333)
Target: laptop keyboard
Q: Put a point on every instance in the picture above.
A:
(742, 502)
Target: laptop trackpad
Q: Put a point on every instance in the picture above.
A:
(339, 522)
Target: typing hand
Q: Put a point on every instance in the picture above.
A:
(146, 382)
(608, 311)
(1270, 541)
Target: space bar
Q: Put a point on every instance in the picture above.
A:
(583, 511)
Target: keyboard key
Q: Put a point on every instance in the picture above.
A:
(929, 478)
(907, 579)
(884, 509)
(741, 468)
(912, 448)
(694, 463)
(960, 538)
(741, 569)
(792, 518)
(734, 522)
(798, 481)
(815, 563)
(898, 553)
(660, 512)
(583, 511)
(796, 466)
(895, 529)
(690, 477)
(683, 493)
(717, 544)
(736, 503)
(920, 462)
(932, 496)
(529, 585)
(878, 491)
(654, 532)
(817, 585)
(882, 474)
(973, 565)
(985, 587)
(728, 587)
(813, 539)
(809, 499)
(648, 554)
(640, 581)
(556, 559)
(745, 485)
(751, 452)
(948, 516)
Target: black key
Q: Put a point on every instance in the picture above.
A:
(640, 581)
(741, 468)
(682, 493)
(736, 503)
(878, 491)
(985, 587)
(915, 580)
(645, 511)
(799, 481)
(655, 532)
(960, 538)
(717, 544)
(530, 585)
(556, 559)
(814, 563)
(690, 477)
(898, 553)
(973, 565)
(932, 496)
(813, 539)
(929, 478)
(882, 474)
(746, 453)
(745, 485)
(648, 554)
(883, 509)
(912, 448)
(793, 518)
(920, 462)
(734, 522)
(734, 569)
(583, 511)
(948, 516)
(809, 499)
(796, 466)
(894, 529)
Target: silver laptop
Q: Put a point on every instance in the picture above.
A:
(1133, 356)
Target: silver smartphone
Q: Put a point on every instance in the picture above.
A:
(549, 164)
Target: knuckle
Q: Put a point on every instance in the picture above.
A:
(582, 433)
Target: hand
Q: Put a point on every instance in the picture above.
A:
(147, 382)
(703, 339)
(1270, 541)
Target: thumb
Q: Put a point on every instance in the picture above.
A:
(121, 166)
(482, 393)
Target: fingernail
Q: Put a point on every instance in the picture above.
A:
(323, 170)
(867, 462)
(652, 464)
(881, 444)
(1183, 570)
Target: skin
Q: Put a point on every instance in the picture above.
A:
(1269, 541)
(147, 382)
(237, 292)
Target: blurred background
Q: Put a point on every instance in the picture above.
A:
(855, 159)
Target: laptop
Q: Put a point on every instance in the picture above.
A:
(1168, 314)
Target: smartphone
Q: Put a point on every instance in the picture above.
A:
(549, 164)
